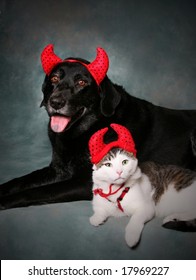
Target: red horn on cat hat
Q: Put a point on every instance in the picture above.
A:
(98, 149)
(98, 68)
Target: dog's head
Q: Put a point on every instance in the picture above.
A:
(77, 93)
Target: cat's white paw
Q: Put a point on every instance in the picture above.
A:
(96, 220)
(178, 217)
(170, 218)
(131, 239)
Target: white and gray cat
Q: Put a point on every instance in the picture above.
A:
(122, 188)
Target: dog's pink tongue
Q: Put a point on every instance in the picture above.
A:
(59, 123)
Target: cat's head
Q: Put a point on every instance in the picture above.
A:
(116, 167)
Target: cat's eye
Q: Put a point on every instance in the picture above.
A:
(108, 164)
(125, 161)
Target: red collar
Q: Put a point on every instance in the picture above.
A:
(105, 195)
(119, 199)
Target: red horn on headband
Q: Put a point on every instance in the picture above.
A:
(49, 59)
(98, 149)
(98, 68)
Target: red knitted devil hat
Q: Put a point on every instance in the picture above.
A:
(98, 149)
(98, 68)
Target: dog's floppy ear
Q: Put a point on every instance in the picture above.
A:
(110, 98)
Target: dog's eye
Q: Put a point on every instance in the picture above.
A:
(55, 79)
(81, 83)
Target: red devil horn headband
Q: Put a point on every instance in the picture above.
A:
(98, 149)
(98, 68)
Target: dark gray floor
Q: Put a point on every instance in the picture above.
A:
(63, 231)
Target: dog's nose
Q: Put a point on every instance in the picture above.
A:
(57, 102)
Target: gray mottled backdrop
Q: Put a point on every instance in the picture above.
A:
(151, 46)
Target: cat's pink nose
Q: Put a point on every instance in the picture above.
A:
(119, 172)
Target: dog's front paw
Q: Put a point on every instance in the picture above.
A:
(2, 207)
(96, 220)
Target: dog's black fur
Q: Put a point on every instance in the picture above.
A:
(161, 135)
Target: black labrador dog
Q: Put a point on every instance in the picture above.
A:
(80, 99)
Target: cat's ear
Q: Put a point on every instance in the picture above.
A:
(131, 155)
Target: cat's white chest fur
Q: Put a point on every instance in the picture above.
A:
(138, 195)
(139, 192)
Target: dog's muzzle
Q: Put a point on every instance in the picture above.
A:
(60, 123)
(57, 102)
